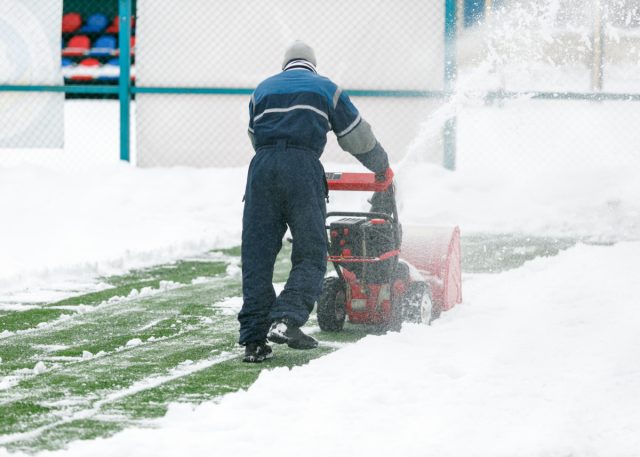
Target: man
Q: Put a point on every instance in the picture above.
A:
(289, 117)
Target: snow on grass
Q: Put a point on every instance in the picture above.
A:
(537, 361)
(184, 369)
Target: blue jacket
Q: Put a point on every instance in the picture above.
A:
(301, 107)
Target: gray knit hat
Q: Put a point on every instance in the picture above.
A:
(299, 50)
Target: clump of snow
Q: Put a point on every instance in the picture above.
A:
(87, 355)
(234, 271)
(230, 306)
(39, 368)
(133, 342)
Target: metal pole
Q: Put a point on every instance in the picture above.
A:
(450, 74)
(598, 45)
(488, 9)
(124, 85)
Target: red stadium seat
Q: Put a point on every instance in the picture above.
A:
(87, 70)
(71, 22)
(77, 46)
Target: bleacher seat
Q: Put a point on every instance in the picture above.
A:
(96, 23)
(67, 67)
(71, 22)
(87, 70)
(104, 46)
(77, 46)
(83, 62)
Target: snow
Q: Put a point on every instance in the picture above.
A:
(61, 225)
(541, 360)
(536, 361)
(69, 221)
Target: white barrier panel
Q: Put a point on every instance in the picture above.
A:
(30, 33)
(360, 44)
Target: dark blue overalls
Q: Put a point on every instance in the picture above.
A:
(290, 116)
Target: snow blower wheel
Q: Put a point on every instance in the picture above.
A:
(417, 306)
(331, 305)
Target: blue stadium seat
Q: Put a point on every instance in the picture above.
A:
(96, 23)
(104, 46)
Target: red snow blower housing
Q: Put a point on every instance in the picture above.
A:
(385, 277)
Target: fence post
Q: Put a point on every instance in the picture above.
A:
(124, 82)
(598, 45)
(450, 74)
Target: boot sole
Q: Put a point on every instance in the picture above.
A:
(293, 344)
(298, 345)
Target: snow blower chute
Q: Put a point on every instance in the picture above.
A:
(387, 274)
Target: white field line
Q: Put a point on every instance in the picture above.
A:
(9, 381)
(139, 386)
(86, 309)
(12, 380)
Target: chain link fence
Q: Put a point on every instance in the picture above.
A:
(384, 51)
(59, 69)
(550, 85)
(28, 50)
(534, 79)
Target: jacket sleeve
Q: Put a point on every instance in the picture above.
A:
(355, 134)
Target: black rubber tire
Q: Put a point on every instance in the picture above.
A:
(417, 296)
(331, 305)
(397, 306)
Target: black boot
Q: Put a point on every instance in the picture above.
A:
(257, 352)
(282, 332)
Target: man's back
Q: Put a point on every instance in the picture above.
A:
(299, 106)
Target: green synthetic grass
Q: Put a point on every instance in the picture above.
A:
(117, 357)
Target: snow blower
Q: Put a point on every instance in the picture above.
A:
(387, 275)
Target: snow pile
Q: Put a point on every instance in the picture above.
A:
(61, 229)
(537, 361)
(599, 204)
(65, 228)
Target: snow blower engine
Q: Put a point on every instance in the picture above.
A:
(385, 277)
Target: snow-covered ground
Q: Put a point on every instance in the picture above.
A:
(538, 361)
(541, 360)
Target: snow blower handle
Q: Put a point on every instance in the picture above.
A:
(360, 181)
